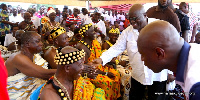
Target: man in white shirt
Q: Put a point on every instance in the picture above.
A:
(84, 15)
(112, 18)
(141, 75)
(15, 18)
(161, 47)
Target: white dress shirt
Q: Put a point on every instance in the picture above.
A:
(83, 17)
(140, 72)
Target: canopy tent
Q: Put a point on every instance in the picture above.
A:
(95, 3)
(53, 2)
(98, 3)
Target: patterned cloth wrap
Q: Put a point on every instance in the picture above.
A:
(110, 86)
(4, 28)
(21, 86)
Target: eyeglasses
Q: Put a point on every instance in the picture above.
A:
(133, 18)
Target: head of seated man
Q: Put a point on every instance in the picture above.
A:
(159, 44)
(60, 40)
(12, 46)
(88, 35)
(27, 24)
(70, 65)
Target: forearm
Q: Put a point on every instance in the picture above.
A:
(185, 35)
(47, 73)
(101, 72)
(7, 22)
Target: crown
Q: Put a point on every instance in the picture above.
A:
(68, 58)
(114, 31)
(84, 29)
(57, 32)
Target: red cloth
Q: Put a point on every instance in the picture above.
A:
(3, 80)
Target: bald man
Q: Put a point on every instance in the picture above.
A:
(27, 24)
(161, 48)
(141, 75)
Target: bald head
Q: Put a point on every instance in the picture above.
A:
(136, 9)
(159, 44)
(137, 16)
(158, 33)
(68, 49)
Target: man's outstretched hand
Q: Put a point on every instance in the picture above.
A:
(97, 62)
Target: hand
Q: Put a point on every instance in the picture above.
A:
(16, 23)
(113, 60)
(97, 62)
(110, 75)
(170, 78)
(90, 70)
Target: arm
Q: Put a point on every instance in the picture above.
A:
(185, 35)
(27, 67)
(194, 31)
(49, 57)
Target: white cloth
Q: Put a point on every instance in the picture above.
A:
(140, 72)
(83, 17)
(107, 17)
(15, 19)
(121, 17)
(21, 86)
(36, 21)
(113, 19)
(9, 39)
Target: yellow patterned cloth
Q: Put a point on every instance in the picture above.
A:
(110, 86)
(85, 90)
(21, 86)
(47, 26)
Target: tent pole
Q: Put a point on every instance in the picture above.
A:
(88, 5)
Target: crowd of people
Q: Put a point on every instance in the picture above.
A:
(142, 55)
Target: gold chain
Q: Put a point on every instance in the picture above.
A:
(66, 92)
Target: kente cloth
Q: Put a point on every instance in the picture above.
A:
(47, 26)
(110, 86)
(85, 90)
(125, 73)
(21, 86)
(29, 27)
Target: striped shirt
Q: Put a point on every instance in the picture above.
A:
(72, 18)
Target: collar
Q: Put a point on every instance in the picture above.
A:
(182, 61)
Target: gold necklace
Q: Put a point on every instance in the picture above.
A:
(66, 92)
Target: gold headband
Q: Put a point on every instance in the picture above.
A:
(84, 29)
(116, 30)
(68, 58)
(57, 32)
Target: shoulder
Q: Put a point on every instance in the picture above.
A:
(17, 59)
(152, 9)
(51, 50)
(49, 93)
(194, 93)
(80, 46)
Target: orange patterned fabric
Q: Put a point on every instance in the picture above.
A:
(110, 86)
